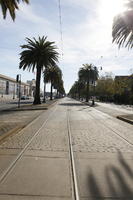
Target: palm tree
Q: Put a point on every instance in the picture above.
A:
(52, 74)
(11, 6)
(38, 54)
(80, 87)
(58, 82)
(86, 75)
(122, 29)
(44, 92)
(60, 88)
(74, 90)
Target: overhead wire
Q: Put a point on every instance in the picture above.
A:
(60, 22)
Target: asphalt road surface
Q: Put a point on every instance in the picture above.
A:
(71, 151)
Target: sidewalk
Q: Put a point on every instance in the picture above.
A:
(125, 117)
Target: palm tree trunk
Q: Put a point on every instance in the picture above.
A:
(57, 94)
(51, 92)
(44, 95)
(37, 91)
(79, 94)
(93, 101)
(87, 92)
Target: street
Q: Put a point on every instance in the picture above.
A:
(70, 151)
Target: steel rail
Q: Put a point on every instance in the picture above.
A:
(72, 160)
(19, 156)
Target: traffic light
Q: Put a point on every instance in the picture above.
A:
(17, 78)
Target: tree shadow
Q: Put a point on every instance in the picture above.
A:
(94, 188)
(124, 164)
(71, 104)
(13, 110)
(117, 182)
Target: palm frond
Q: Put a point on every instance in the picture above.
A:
(11, 6)
(122, 29)
(38, 53)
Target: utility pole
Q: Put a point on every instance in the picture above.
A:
(18, 80)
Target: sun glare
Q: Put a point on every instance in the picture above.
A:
(110, 8)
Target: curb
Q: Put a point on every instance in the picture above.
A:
(12, 131)
(125, 119)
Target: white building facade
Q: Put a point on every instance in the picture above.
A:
(9, 88)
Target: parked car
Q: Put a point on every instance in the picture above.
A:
(27, 97)
(23, 97)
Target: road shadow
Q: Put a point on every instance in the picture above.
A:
(71, 104)
(13, 110)
(78, 104)
(116, 180)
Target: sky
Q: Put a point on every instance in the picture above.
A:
(86, 33)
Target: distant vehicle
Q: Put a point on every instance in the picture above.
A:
(23, 97)
(27, 97)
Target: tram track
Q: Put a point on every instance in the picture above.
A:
(8, 170)
(72, 161)
(75, 184)
(73, 175)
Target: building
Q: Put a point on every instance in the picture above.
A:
(122, 77)
(32, 85)
(9, 88)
